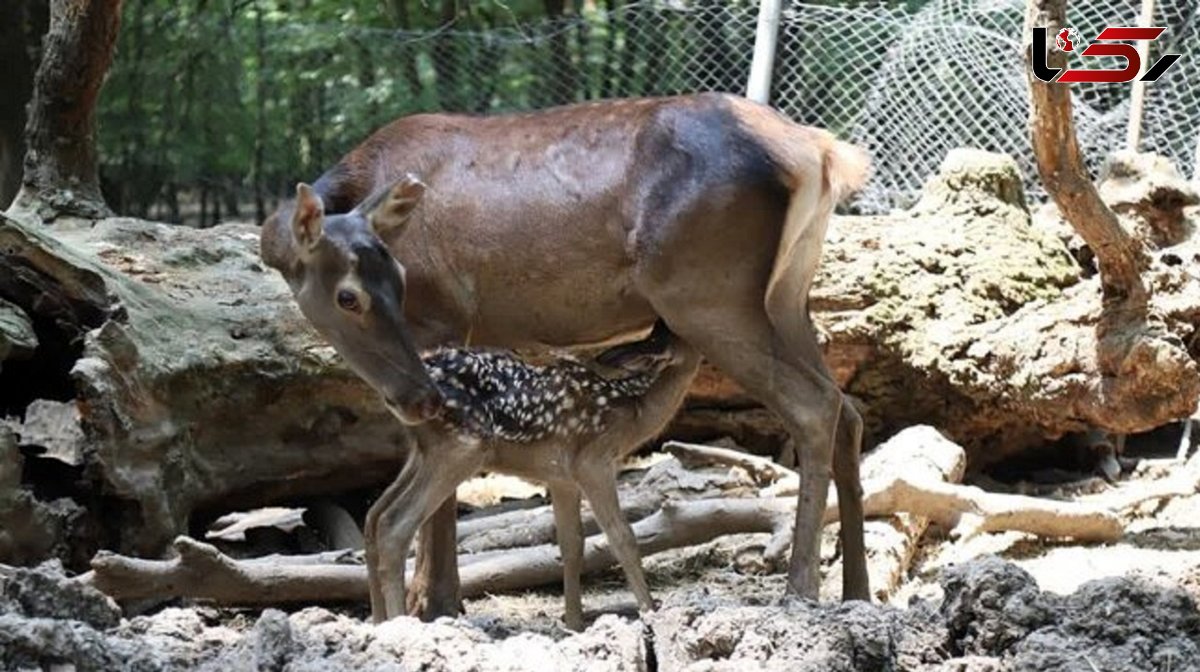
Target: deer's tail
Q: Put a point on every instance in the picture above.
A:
(820, 171)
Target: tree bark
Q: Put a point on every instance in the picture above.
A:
(22, 23)
(1060, 162)
(60, 160)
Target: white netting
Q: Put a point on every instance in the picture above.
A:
(952, 74)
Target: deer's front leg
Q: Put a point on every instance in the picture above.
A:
(435, 589)
(371, 533)
(568, 527)
(438, 471)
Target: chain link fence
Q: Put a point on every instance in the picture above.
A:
(226, 110)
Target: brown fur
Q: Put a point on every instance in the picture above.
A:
(584, 224)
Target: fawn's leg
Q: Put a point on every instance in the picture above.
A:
(568, 526)
(440, 468)
(597, 479)
(371, 533)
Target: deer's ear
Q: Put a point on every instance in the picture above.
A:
(308, 220)
(389, 212)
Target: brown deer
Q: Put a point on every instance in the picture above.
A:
(582, 225)
(562, 424)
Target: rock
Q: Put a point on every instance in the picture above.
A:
(971, 664)
(1148, 192)
(706, 635)
(17, 338)
(989, 605)
(1120, 623)
(54, 427)
(46, 592)
(274, 645)
(993, 608)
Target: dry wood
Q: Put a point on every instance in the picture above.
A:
(202, 572)
(1061, 165)
(762, 469)
(530, 527)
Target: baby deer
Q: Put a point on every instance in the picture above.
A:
(562, 424)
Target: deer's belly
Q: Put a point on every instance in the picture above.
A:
(557, 314)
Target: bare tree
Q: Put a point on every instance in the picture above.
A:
(1060, 163)
(60, 174)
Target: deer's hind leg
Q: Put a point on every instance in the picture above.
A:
(727, 320)
(568, 527)
(597, 477)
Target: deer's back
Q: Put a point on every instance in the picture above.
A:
(534, 224)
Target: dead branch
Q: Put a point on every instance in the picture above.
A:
(202, 572)
(530, 527)
(762, 469)
(1060, 163)
(997, 512)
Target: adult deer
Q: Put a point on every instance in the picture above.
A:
(562, 424)
(581, 225)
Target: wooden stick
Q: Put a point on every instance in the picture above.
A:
(202, 572)
(762, 469)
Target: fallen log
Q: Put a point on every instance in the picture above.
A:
(202, 572)
(199, 387)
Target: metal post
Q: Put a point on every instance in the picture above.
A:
(758, 88)
(1137, 99)
(1196, 163)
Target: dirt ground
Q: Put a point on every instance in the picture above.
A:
(993, 602)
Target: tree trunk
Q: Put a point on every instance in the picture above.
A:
(260, 114)
(60, 160)
(22, 24)
(1065, 175)
(1130, 345)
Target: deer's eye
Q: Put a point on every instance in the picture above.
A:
(348, 300)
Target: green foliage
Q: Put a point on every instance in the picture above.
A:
(212, 105)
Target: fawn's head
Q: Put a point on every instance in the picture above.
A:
(352, 290)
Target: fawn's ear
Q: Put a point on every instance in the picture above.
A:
(308, 219)
(390, 211)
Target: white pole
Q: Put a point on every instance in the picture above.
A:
(1196, 164)
(1137, 100)
(758, 88)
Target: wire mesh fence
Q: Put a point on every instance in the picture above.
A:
(952, 74)
(232, 109)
